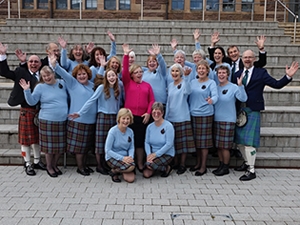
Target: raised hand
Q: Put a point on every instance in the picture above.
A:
(111, 36)
(187, 71)
(196, 34)
(155, 50)
(103, 61)
(239, 81)
(174, 44)
(62, 42)
(260, 42)
(214, 38)
(25, 85)
(292, 70)
(52, 59)
(89, 47)
(20, 55)
(126, 49)
(3, 49)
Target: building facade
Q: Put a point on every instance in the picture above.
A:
(148, 9)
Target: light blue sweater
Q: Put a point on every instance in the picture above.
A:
(53, 99)
(160, 140)
(225, 107)
(79, 94)
(157, 80)
(119, 144)
(177, 109)
(197, 99)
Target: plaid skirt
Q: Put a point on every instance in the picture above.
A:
(160, 163)
(80, 137)
(202, 129)
(28, 132)
(103, 124)
(53, 135)
(139, 131)
(118, 164)
(184, 139)
(224, 134)
(249, 135)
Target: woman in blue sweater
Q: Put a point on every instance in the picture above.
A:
(202, 98)
(159, 144)
(108, 98)
(225, 117)
(53, 98)
(178, 113)
(80, 131)
(119, 148)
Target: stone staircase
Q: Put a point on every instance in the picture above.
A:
(280, 132)
(289, 30)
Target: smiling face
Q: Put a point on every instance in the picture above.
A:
(137, 75)
(202, 72)
(218, 56)
(248, 59)
(197, 58)
(34, 63)
(157, 115)
(77, 52)
(233, 53)
(180, 59)
(152, 63)
(114, 64)
(111, 78)
(124, 121)
(97, 57)
(223, 76)
(82, 76)
(48, 77)
(176, 74)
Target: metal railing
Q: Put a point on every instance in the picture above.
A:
(292, 13)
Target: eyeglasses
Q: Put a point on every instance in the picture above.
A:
(33, 61)
(158, 113)
(137, 72)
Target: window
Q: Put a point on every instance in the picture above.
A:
(42, 4)
(196, 4)
(228, 5)
(124, 4)
(178, 4)
(109, 4)
(75, 4)
(61, 4)
(212, 5)
(247, 5)
(91, 4)
(28, 4)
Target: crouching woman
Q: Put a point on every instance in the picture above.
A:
(119, 148)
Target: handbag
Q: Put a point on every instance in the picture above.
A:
(242, 118)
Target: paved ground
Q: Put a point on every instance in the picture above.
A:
(272, 198)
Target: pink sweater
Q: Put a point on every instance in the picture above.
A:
(139, 97)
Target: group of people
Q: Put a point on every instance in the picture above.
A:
(146, 118)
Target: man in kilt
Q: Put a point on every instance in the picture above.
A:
(28, 131)
(254, 80)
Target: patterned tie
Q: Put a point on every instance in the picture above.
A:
(232, 72)
(35, 76)
(245, 78)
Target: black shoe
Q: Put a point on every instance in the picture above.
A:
(221, 164)
(114, 177)
(243, 167)
(29, 170)
(88, 169)
(223, 171)
(167, 172)
(181, 170)
(248, 176)
(198, 173)
(83, 172)
(102, 171)
(52, 174)
(57, 171)
(192, 169)
(40, 166)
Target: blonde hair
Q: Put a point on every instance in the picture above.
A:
(125, 112)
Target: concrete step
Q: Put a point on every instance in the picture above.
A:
(146, 23)
(264, 159)
(8, 114)
(287, 96)
(280, 116)
(142, 29)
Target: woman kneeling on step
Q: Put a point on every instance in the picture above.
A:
(119, 148)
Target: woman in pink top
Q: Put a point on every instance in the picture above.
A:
(139, 98)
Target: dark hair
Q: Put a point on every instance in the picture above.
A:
(222, 67)
(93, 61)
(230, 47)
(106, 85)
(223, 52)
(84, 55)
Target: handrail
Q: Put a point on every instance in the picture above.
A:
(293, 14)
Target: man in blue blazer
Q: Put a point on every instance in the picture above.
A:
(255, 79)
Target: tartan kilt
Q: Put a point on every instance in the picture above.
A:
(53, 136)
(224, 134)
(28, 132)
(160, 163)
(103, 124)
(249, 135)
(118, 164)
(80, 137)
(184, 139)
(202, 129)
